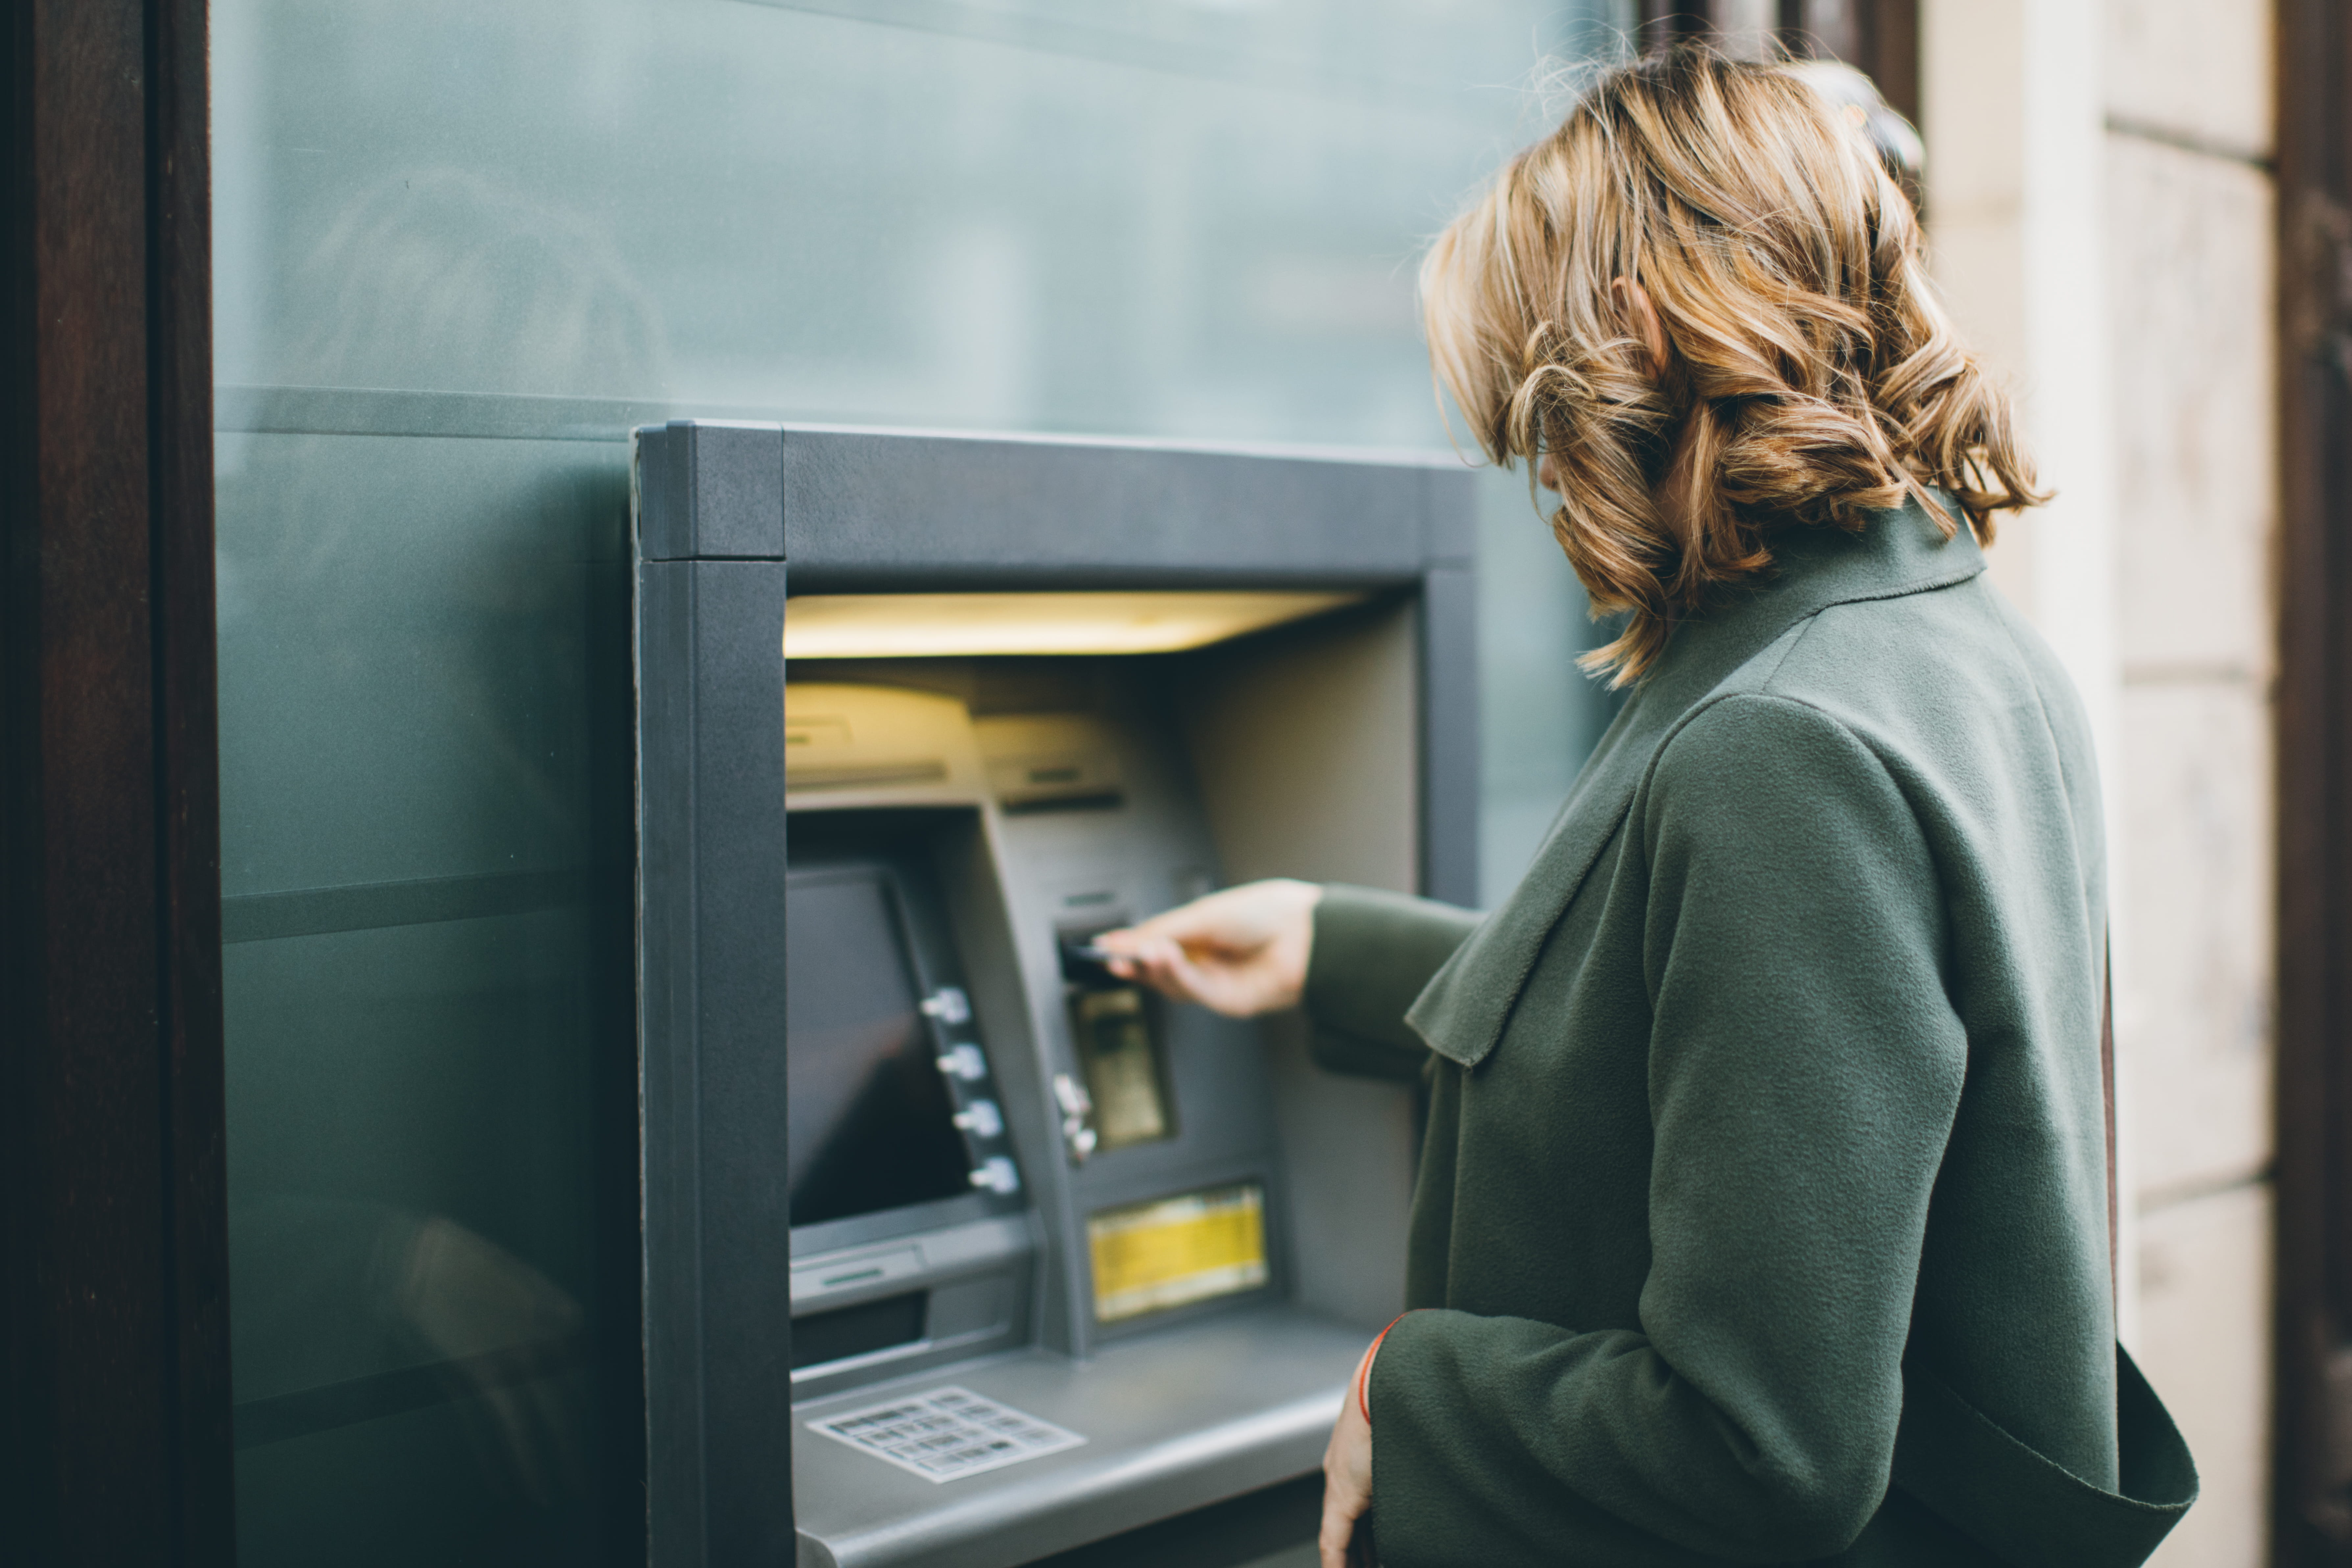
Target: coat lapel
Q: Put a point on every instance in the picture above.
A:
(1463, 1012)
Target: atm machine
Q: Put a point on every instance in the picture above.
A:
(958, 1251)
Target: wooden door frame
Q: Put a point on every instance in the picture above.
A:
(114, 1413)
(2313, 1508)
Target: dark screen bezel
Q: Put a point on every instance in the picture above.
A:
(900, 843)
(880, 877)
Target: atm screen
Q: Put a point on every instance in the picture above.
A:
(870, 1123)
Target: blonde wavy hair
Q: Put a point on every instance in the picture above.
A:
(1809, 378)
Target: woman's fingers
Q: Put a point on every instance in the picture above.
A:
(1235, 922)
(1215, 982)
(1137, 956)
(1240, 951)
(1347, 1480)
(1347, 1497)
(1219, 985)
(1213, 922)
(1162, 961)
(1338, 1530)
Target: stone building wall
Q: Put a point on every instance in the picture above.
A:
(2191, 236)
(2142, 344)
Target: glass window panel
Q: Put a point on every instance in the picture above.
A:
(424, 657)
(1539, 718)
(775, 207)
(462, 245)
(422, 1229)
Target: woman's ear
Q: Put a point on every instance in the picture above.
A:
(1642, 320)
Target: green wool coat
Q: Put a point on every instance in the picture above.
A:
(1762, 1215)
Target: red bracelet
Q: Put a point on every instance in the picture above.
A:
(1364, 1377)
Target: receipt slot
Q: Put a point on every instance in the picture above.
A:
(958, 1250)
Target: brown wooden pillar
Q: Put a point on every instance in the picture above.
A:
(2314, 1517)
(114, 1429)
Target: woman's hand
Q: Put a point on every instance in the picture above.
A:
(1347, 1475)
(1241, 951)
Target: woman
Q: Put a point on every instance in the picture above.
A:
(1763, 1213)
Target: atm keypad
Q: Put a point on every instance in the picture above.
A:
(947, 1433)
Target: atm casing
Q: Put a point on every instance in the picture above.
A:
(1387, 793)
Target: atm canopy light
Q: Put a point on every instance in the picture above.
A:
(915, 626)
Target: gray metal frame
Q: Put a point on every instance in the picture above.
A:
(710, 592)
(720, 509)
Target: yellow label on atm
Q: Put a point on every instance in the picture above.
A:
(1164, 1254)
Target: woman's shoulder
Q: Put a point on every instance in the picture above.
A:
(1950, 690)
(1952, 667)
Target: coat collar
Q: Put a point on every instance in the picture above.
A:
(1462, 1011)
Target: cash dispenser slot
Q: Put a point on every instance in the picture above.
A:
(1059, 1260)
(845, 1338)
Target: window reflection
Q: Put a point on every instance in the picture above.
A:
(377, 1308)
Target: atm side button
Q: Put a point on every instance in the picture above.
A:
(949, 1004)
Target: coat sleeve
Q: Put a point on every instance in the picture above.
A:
(1804, 1068)
(1372, 955)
